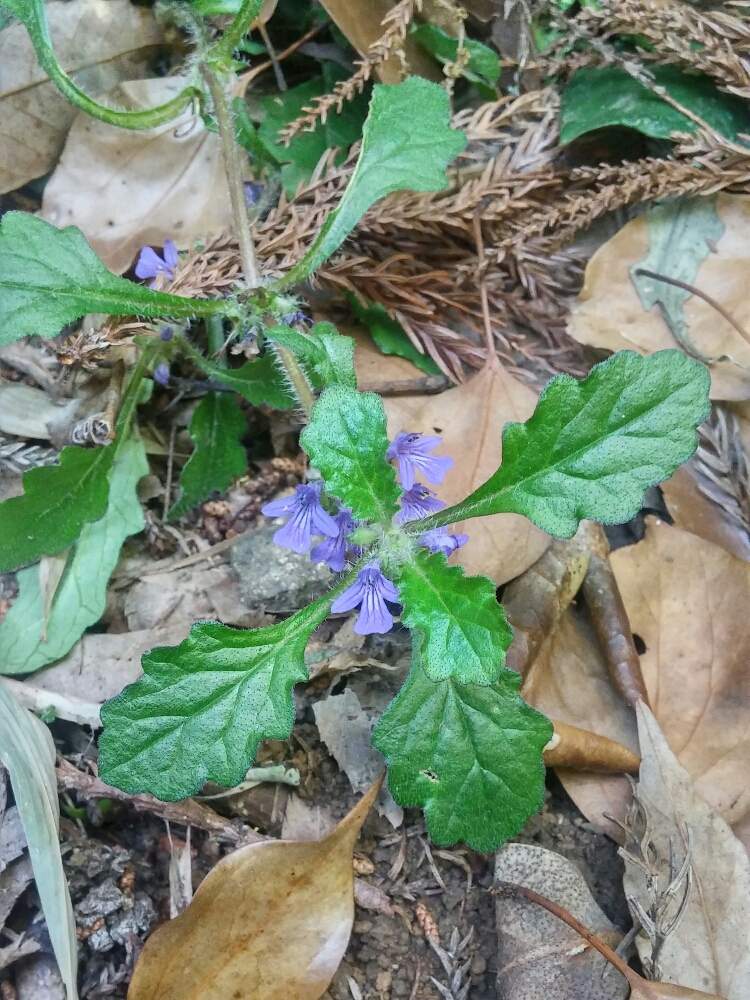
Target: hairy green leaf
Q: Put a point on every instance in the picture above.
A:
(389, 336)
(57, 501)
(483, 65)
(257, 381)
(593, 447)
(50, 277)
(470, 755)
(346, 440)
(81, 595)
(598, 96)
(217, 428)
(28, 752)
(407, 144)
(325, 353)
(681, 235)
(201, 708)
(461, 630)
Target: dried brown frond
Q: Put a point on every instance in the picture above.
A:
(714, 42)
(391, 43)
(722, 466)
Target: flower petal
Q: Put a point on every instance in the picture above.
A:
(171, 257)
(351, 597)
(149, 263)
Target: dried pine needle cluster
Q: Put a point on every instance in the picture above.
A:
(416, 255)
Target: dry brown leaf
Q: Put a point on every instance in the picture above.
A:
(687, 599)
(709, 949)
(693, 511)
(362, 23)
(609, 314)
(668, 991)
(586, 751)
(271, 921)
(569, 681)
(470, 418)
(538, 956)
(127, 189)
(99, 42)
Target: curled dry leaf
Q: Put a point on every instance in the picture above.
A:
(609, 313)
(569, 681)
(709, 949)
(586, 751)
(172, 185)
(538, 956)
(99, 42)
(687, 599)
(470, 418)
(271, 921)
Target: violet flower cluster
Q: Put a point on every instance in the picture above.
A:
(307, 519)
(151, 265)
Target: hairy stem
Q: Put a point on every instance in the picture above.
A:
(223, 49)
(233, 167)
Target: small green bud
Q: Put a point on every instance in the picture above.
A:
(364, 535)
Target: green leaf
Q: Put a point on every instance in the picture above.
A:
(346, 440)
(389, 336)
(302, 155)
(217, 428)
(247, 134)
(258, 381)
(325, 353)
(50, 277)
(201, 708)
(681, 235)
(57, 501)
(593, 447)
(483, 65)
(81, 596)
(461, 630)
(470, 755)
(598, 96)
(28, 752)
(407, 144)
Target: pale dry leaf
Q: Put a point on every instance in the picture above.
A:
(99, 42)
(569, 681)
(126, 189)
(687, 599)
(272, 918)
(470, 418)
(608, 312)
(709, 949)
(538, 955)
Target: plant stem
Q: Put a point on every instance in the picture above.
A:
(215, 335)
(223, 49)
(233, 168)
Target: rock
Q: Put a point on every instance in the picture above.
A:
(273, 578)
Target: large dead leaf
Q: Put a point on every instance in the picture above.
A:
(538, 955)
(470, 419)
(99, 42)
(609, 314)
(688, 599)
(128, 189)
(569, 680)
(270, 922)
(709, 949)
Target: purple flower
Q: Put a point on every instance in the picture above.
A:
(412, 450)
(334, 551)
(306, 517)
(293, 318)
(440, 540)
(417, 502)
(161, 374)
(253, 192)
(369, 592)
(151, 265)
(166, 333)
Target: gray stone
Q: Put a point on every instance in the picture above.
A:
(275, 579)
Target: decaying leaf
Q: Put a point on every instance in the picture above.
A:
(99, 42)
(609, 312)
(538, 956)
(271, 921)
(129, 189)
(709, 948)
(569, 680)
(470, 418)
(687, 599)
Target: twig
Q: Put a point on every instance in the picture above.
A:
(277, 71)
(642, 271)
(428, 385)
(245, 79)
(170, 469)
(492, 361)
